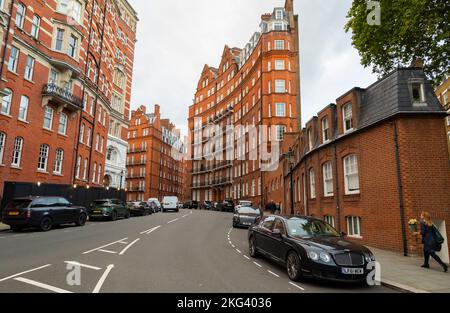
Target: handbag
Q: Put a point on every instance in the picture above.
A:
(439, 238)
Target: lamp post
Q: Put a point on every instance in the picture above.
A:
(290, 159)
(121, 178)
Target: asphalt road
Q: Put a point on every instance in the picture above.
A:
(189, 251)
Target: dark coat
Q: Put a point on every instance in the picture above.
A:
(428, 238)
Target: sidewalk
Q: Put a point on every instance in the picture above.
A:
(405, 273)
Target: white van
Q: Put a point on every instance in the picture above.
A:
(170, 204)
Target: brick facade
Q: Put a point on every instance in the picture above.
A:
(257, 85)
(72, 64)
(156, 158)
(443, 94)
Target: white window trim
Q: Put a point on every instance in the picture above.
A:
(354, 218)
(324, 166)
(346, 176)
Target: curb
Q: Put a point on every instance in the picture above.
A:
(401, 287)
(3, 227)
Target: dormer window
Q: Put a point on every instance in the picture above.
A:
(417, 92)
(325, 129)
(279, 14)
(277, 26)
(347, 115)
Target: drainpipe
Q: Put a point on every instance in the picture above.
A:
(400, 190)
(6, 39)
(338, 206)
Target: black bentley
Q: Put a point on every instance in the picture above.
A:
(246, 216)
(309, 247)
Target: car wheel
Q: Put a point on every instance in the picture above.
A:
(113, 216)
(16, 228)
(127, 215)
(46, 224)
(81, 220)
(252, 247)
(293, 266)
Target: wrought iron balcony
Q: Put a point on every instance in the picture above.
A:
(62, 96)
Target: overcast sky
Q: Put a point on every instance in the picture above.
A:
(176, 38)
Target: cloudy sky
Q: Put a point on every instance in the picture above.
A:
(177, 37)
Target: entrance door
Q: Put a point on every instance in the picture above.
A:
(444, 254)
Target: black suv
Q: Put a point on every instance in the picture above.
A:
(227, 205)
(193, 205)
(43, 213)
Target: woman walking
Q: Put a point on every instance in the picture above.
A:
(429, 240)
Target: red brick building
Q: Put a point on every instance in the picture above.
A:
(373, 161)
(65, 84)
(156, 157)
(443, 94)
(254, 86)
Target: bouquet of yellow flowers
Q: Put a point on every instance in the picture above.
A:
(412, 223)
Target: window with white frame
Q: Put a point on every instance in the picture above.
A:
(279, 14)
(23, 108)
(281, 129)
(72, 46)
(17, 152)
(354, 226)
(35, 24)
(29, 68)
(327, 179)
(57, 168)
(330, 220)
(6, 102)
(310, 139)
(280, 86)
(20, 15)
(81, 133)
(62, 129)
(48, 117)
(59, 40)
(94, 173)
(71, 8)
(347, 115)
(43, 157)
(97, 142)
(312, 184)
(325, 130)
(85, 166)
(418, 93)
(53, 77)
(279, 65)
(99, 179)
(2, 146)
(13, 59)
(279, 44)
(78, 167)
(351, 175)
(280, 109)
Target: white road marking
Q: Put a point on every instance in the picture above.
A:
(238, 251)
(185, 215)
(41, 285)
(83, 265)
(246, 257)
(173, 221)
(127, 247)
(276, 275)
(19, 274)
(233, 246)
(109, 244)
(123, 242)
(103, 278)
(107, 251)
(297, 286)
(148, 231)
(257, 264)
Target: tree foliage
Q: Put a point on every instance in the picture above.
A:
(410, 30)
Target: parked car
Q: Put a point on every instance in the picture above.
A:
(309, 247)
(43, 213)
(193, 205)
(227, 206)
(170, 203)
(246, 216)
(186, 205)
(156, 201)
(207, 205)
(111, 209)
(140, 208)
(243, 203)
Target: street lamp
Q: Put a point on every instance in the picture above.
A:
(121, 177)
(290, 159)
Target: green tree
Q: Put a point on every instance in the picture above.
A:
(410, 30)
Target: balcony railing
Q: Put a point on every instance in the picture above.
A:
(136, 163)
(137, 150)
(217, 166)
(62, 96)
(213, 183)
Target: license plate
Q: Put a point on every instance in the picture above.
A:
(247, 224)
(13, 213)
(352, 271)
(98, 212)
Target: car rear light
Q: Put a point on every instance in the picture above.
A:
(28, 213)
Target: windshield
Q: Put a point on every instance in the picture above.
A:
(18, 204)
(245, 203)
(101, 202)
(299, 227)
(248, 210)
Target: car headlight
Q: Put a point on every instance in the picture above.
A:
(313, 255)
(325, 257)
(369, 258)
